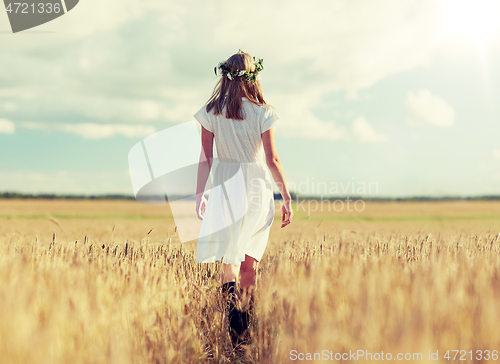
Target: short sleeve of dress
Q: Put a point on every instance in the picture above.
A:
(202, 117)
(270, 117)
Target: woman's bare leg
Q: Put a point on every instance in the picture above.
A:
(248, 284)
(229, 272)
(248, 271)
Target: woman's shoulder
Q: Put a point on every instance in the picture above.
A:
(264, 107)
(268, 111)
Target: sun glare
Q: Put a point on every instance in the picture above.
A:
(474, 21)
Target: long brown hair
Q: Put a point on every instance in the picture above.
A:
(228, 92)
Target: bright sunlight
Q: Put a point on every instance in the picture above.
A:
(473, 21)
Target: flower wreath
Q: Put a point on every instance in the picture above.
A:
(249, 76)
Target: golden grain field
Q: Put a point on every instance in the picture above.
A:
(108, 282)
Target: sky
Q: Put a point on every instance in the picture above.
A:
(387, 98)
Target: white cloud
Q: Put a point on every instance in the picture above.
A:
(311, 127)
(9, 106)
(33, 125)
(7, 127)
(349, 45)
(365, 133)
(136, 61)
(426, 108)
(94, 131)
(99, 131)
(496, 153)
(65, 182)
(297, 119)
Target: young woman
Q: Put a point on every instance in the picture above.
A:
(238, 216)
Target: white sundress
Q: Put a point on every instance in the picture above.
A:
(240, 207)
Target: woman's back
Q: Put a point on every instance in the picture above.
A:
(239, 140)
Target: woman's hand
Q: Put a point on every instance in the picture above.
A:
(201, 204)
(286, 211)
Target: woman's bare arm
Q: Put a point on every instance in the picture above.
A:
(206, 159)
(274, 164)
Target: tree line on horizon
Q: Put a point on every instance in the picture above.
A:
(277, 196)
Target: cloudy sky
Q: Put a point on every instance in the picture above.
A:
(402, 94)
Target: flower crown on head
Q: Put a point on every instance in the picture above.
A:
(249, 76)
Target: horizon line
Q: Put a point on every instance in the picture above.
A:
(277, 196)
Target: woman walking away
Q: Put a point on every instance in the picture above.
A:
(237, 218)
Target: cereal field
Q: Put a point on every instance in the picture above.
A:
(108, 282)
